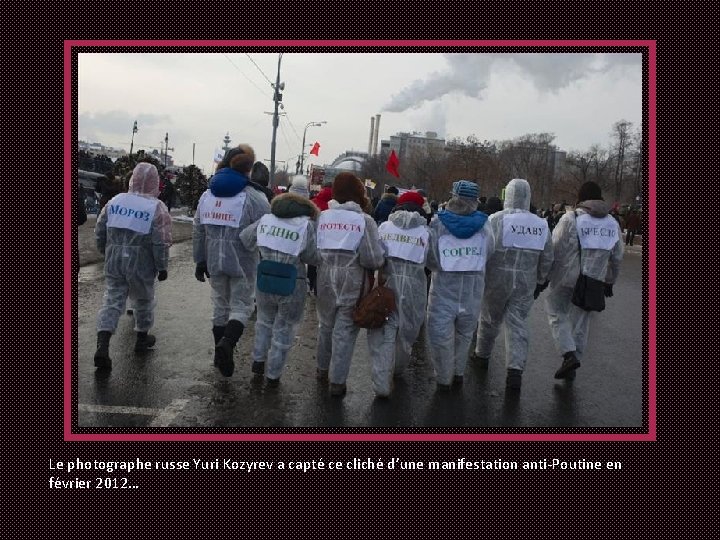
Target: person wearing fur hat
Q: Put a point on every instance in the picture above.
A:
(405, 239)
(224, 211)
(134, 232)
(515, 272)
(459, 248)
(385, 207)
(590, 234)
(287, 237)
(348, 242)
(322, 199)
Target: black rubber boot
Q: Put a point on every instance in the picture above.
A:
(479, 360)
(144, 342)
(514, 379)
(570, 363)
(218, 333)
(226, 347)
(102, 354)
(258, 367)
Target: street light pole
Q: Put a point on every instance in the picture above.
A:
(132, 140)
(277, 97)
(302, 150)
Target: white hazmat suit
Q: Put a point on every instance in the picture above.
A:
(278, 316)
(340, 277)
(406, 239)
(569, 323)
(232, 267)
(459, 234)
(133, 230)
(522, 259)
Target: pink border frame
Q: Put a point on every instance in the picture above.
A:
(69, 148)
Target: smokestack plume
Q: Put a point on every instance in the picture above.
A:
(372, 136)
(377, 133)
(470, 74)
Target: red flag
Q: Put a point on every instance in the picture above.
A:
(392, 164)
(316, 149)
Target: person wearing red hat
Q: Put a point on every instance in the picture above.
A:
(405, 237)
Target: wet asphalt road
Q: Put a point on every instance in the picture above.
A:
(176, 384)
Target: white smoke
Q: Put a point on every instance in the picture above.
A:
(432, 117)
(470, 74)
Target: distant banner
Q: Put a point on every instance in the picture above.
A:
(219, 155)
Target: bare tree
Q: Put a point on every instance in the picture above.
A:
(621, 135)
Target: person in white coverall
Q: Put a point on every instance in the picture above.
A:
(460, 245)
(286, 236)
(405, 237)
(134, 231)
(224, 211)
(517, 269)
(591, 227)
(347, 239)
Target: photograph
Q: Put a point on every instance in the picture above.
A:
(418, 240)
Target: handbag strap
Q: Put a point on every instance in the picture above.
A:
(362, 290)
(579, 244)
(366, 276)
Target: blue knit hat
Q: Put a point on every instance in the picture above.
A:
(465, 188)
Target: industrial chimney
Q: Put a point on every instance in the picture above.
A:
(377, 133)
(372, 136)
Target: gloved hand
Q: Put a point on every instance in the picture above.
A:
(540, 287)
(162, 275)
(608, 290)
(201, 271)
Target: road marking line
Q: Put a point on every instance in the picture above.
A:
(116, 409)
(163, 416)
(169, 413)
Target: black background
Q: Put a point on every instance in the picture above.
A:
(667, 488)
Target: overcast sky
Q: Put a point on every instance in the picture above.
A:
(199, 97)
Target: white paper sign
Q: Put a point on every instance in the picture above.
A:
(130, 211)
(462, 254)
(340, 229)
(280, 235)
(225, 211)
(524, 230)
(597, 233)
(408, 244)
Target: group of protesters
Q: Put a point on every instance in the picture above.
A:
(255, 250)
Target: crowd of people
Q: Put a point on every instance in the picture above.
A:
(486, 261)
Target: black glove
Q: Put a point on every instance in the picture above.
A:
(540, 287)
(608, 290)
(162, 275)
(201, 271)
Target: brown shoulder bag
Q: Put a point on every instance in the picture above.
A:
(374, 309)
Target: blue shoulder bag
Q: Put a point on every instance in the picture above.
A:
(276, 278)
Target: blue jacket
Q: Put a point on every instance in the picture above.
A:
(462, 226)
(384, 208)
(228, 183)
